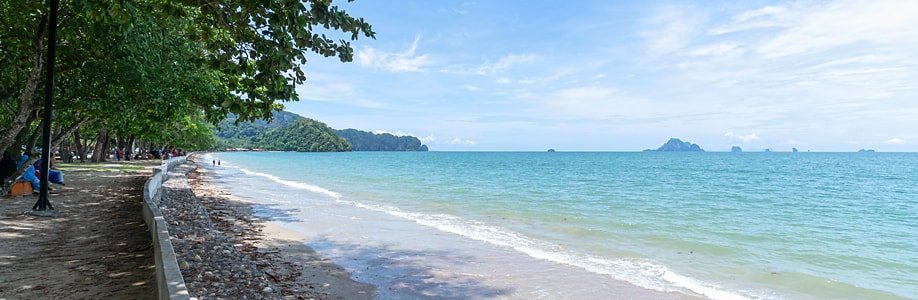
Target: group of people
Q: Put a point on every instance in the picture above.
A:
(9, 165)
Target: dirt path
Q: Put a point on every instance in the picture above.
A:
(98, 248)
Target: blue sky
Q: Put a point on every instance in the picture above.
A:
(628, 75)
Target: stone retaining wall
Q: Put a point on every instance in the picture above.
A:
(169, 281)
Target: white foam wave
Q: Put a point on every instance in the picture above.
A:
(639, 272)
(294, 184)
(643, 273)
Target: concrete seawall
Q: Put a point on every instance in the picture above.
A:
(169, 281)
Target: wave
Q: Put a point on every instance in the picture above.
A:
(294, 184)
(640, 272)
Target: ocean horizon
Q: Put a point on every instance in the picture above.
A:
(573, 224)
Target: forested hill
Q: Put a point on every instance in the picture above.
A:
(287, 132)
(368, 141)
(291, 132)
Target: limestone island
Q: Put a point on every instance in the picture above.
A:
(677, 145)
(736, 149)
(551, 150)
(866, 151)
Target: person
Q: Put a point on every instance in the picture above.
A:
(29, 174)
(214, 162)
(54, 175)
(218, 162)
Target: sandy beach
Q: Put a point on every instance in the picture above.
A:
(225, 251)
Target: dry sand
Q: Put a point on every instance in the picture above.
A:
(97, 248)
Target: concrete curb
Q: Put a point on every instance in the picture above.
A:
(169, 281)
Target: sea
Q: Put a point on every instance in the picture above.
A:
(597, 225)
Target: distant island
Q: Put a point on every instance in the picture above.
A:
(794, 150)
(286, 132)
(551, 150)
(368, 141)
(291, 132)
(736, 149)
(866, 151)
(677, 145)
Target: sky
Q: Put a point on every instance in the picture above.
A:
(627, 75)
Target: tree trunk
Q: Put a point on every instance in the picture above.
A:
(129, 148)
(4, 186)
(100, 153)
(25, 98)
(81, 148)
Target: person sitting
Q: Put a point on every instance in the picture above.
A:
(54, 175)
(29, 174)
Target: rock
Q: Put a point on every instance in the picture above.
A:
(267, 289)
(737, 149)
(794, 150)
(677, 145)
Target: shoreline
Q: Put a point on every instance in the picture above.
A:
(286, 247)
(404, 258)
(238, 254)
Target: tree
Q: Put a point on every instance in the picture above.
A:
(160, 70)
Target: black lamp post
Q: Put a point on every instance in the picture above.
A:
(43, 203)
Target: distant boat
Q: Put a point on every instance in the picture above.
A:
(551, 150)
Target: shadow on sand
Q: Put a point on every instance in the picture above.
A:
(409, 274)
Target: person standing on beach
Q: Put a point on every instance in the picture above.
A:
(214, 162)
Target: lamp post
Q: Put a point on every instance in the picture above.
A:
(43, 204)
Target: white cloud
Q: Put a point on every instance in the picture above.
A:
(428, 139)
(493, 68)
(769, 16)
(752, 137)
(397, 133)
(895, 141)
(804, 29)
(407, 61)
(504, 80)
(505, 62)
(469, 87)
(671, 29)
(461, 142)
(720, 49)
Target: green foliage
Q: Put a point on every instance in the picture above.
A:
(161, 70)
(305, 135)
(368, 141)
(287, 132)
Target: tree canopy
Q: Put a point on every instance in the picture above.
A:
(161, 71)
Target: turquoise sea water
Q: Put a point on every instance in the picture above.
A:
(721, 225)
